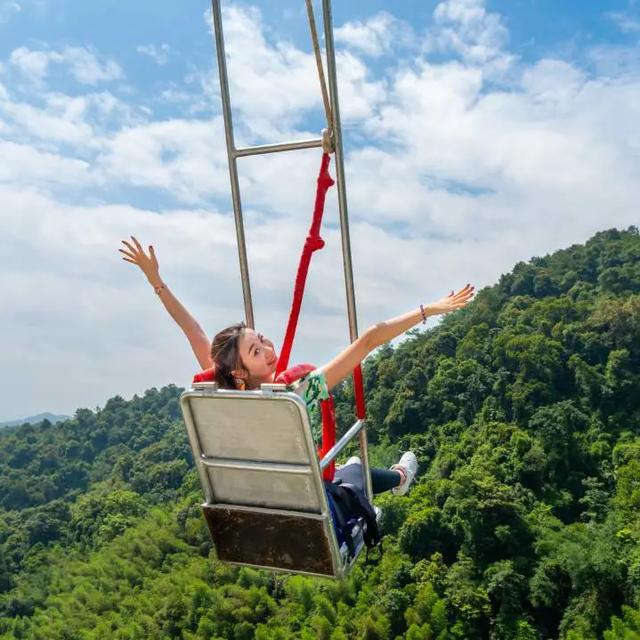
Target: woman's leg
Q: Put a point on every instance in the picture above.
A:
(381, 479)
(399, 477)
(385, 479)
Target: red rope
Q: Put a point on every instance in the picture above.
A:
(313, 243)
(328, 434)
(358, 391)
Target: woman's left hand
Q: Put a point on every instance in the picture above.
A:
(452, 302)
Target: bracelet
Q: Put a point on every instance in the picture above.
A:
(424, 315)
(159, 289)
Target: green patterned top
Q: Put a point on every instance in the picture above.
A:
(312, 388)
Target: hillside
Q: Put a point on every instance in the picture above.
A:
(524, 410)
(51, 417)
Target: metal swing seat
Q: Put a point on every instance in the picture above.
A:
(265, 502)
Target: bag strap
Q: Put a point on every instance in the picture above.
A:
(342, 521)
(356, 503)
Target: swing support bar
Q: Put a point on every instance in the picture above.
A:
(337, 448)
(276, 148)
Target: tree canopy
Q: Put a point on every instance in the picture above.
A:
(524, 411)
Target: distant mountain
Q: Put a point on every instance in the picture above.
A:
(51, 417)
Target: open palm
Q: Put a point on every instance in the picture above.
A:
(453, 301)
(134, 253)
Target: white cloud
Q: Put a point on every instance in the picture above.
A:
(465, 28)
(179, 156)
(159, 54)
(73, 287)
(268, 82)
(56, 124)
(191, 103)
(273, 85)
(33, 64)
(360, 94)
(79, 121)
(553, 81)
(375, 36)
(31, 167)
(85, 66)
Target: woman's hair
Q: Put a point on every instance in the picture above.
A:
(225, 354)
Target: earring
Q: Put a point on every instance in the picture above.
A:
(240, 384)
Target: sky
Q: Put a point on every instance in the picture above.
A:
(477, 133)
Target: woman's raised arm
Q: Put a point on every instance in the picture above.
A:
(134, 253)
(343, 364)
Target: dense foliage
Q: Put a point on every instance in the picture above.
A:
(524, 410)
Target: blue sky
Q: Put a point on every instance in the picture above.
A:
(477, 133)
(536, 27)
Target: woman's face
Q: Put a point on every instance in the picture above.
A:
(258, 357)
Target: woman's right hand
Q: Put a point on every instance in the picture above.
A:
(134, 253)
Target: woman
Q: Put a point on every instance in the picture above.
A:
(245, 359)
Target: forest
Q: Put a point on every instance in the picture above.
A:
(524, 523)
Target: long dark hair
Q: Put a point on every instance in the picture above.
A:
(225, 354)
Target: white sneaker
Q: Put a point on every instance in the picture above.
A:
(409, 464)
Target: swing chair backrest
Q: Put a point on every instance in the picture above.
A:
(265, 503)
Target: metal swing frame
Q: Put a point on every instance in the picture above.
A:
(233, 153)
(227, 509)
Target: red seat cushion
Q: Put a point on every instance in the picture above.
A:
(294, 373)
(286, 377)
(208, 375)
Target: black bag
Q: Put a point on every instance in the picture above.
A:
(350, 504)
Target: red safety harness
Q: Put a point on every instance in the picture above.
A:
(286, 375)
